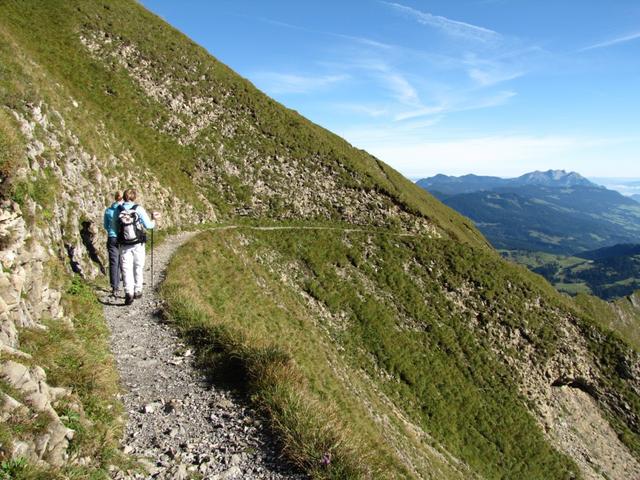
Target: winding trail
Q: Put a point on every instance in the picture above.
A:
(178, 424)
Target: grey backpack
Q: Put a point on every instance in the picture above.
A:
(131, 230)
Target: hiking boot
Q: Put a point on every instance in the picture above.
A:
(137, 295)
(115, 292)
(128, 299)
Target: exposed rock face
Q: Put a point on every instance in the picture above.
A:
(284, 184)
(576, 425)
(68, 229)
(51, 444)
(568, 397)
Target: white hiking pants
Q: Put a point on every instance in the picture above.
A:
(132, 259)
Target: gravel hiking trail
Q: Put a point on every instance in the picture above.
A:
(179, 425)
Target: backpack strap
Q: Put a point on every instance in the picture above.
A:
(122, 209)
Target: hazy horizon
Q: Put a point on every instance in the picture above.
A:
(593, 179)
(625, 185)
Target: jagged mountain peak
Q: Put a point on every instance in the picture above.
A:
(554, 178)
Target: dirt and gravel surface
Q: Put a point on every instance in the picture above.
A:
(179, 425)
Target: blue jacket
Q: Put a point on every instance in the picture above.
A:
(108, 221)
(146, 220)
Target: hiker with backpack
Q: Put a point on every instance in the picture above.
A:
(132, 221)
(113, 249)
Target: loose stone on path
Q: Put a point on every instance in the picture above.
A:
(179, 425)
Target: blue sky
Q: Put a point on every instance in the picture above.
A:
(495, 87)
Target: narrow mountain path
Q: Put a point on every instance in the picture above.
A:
(313, 227)
(179, 424)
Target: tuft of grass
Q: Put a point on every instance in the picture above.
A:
(11, 148)
(10, 469)
(42, 189)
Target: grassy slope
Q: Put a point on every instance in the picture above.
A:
(621, 316)
(394, 331)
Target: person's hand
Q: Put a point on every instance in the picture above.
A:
(155, 215)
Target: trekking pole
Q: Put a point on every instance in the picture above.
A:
(152, 258)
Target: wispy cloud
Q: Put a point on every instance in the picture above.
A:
(361, 40)
(488, 77)
(457, 105)
(406, 89)
(392, 79)
(400, 87)
(285, 83)
(613, 41)
(423, 111)
(447, 25)
(373, 111)
(364, 41)
(496, 100)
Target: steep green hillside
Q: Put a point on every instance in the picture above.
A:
(377, 327)
(371, 319)
(428, 331)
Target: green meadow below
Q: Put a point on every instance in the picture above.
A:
(612, 273)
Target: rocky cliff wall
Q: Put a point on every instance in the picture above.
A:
(63, 189)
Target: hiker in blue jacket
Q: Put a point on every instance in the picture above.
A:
(131, 222)
(112, 244)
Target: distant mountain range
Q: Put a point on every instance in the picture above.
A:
(556, 211)
(449, 185)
